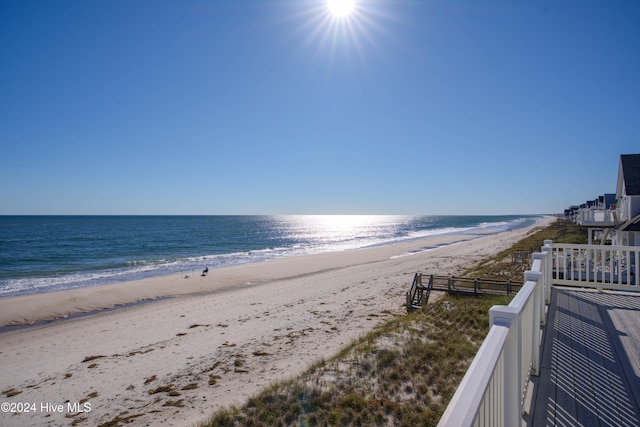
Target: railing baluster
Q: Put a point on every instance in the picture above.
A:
(635, 266)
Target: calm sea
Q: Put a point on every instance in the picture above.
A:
(47, 253)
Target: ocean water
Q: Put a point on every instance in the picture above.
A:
(48, 253)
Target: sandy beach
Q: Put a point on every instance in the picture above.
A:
(214, 341)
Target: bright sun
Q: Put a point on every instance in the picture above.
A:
(340, 8)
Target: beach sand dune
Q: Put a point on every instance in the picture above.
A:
(218, 340)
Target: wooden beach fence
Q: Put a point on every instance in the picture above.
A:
(418, 294)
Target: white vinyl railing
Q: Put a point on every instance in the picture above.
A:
(602, 217)
(492, 391)
(596, 266)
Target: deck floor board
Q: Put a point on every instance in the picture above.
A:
(590, 370)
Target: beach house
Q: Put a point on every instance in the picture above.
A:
(599, 212)
(565, 351)
(614, 218)
(627, 231)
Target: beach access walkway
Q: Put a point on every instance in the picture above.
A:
(418, 294)
(590, 366)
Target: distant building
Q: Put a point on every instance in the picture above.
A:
(614, 217)
(628, 206)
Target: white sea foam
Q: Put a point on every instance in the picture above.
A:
(331, 238)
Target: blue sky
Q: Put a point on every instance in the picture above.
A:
(277, 107)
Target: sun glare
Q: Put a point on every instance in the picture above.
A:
(340, 8)
(342, 31)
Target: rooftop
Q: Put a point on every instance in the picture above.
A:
(630, 169)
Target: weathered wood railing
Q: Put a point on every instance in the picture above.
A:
(418, 294)
(461, 285)
(596, 266)
(413, 291)
(475, 286)
(492, 391)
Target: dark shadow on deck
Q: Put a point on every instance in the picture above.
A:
(590, 367)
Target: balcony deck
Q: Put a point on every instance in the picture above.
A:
(590, 366)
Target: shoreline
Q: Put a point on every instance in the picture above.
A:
(174, 361)
(62, 304)
(169, 251)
